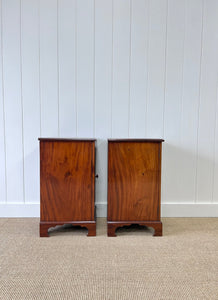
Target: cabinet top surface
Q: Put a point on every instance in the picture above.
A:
(137, 140)
(66, 140)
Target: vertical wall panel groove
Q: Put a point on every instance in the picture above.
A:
(12, 96)
(163, 180)
(215, 159)
(103, 81)
(112, 63)
(148, 65)
(40, 100)
(76, 104)
(67, 68)
(165, 68)
(58, 65)
(85, 67)
(156, 69)
(139, 68)
(94, 100)
(190, 100)
(207, 112)
(3, 181)
(48, 68)
(31, 97)
(121, 52)
(130, 59)
(21, 97)
(175, 45)
(200, 74)
(103, 67)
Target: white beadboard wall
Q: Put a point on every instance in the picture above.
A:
(111, 68)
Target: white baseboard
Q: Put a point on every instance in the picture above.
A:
(189, 210)
(14, 210)
(19, 210)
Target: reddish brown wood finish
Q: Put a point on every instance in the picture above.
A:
(67, 183)
(134, 183)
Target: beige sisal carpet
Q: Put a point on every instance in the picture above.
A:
(183, 264)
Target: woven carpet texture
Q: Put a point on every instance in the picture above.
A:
(183, 264)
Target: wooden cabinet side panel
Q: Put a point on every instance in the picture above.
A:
(134, 174)
(66, 181)
(159, 181)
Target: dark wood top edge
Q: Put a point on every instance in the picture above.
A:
(66, 222)
(133, 222)
(66, 140)
(136, 140)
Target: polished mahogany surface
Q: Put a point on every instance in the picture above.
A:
(67, 181)
(134, 182)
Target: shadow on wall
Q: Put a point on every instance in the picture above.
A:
(31, 176)
(187, 176)
(101, 170)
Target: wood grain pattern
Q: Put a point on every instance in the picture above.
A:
(67, 181)
(134, 181)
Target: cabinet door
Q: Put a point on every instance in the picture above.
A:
(134, 170)
(67, 181)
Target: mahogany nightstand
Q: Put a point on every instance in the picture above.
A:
(67, 184)
(134, 183)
